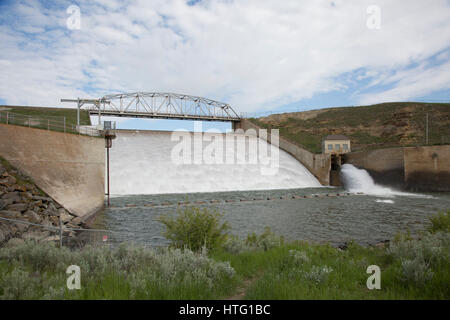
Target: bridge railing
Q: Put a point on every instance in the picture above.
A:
(46, 123)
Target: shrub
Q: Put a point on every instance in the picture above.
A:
(318, 274)
(148, 273)
(236, 245)
(299, 257)
(195, 228)
(419, 257)
(431, 248)
(266, 240)
(416, 271)
(440, 222)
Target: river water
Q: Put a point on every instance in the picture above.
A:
(147, 184)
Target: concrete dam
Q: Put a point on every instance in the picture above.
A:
(144, 162)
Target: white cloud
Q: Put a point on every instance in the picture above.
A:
(412, 83)
(255, 54)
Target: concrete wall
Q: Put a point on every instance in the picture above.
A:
(427, 168)
(318, 164)
(386, 166)
(68, 167)
(412, 168)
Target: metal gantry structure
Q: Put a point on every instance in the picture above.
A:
(158, 105)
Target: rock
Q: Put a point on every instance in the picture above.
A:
(43, 199)
(26, 196)
(2, 236)
(52, 207)
(51, 212)
(14, 195)
(5, 231)
(37, 204)
(36, 235)
(76, 221)
(51, 238)
(15, 242)
(72, 225)
(32, 216)
(17, 207)
(21, 227)
(19, 188)
(8, 181)
(64, 215)
(3, 204)
(54, 220)
(46, 222)
(10, 214)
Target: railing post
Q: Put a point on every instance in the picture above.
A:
(7, 117)
(48, 124)
(64, 124)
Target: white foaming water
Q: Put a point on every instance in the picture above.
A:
(359, 180)
(141, 163)
(384, 201)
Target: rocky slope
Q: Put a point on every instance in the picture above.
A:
(21, 199)
(375, 126)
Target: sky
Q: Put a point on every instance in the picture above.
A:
(256, 55)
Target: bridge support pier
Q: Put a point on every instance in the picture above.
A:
(237, 125)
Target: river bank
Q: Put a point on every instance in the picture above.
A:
(264, 268)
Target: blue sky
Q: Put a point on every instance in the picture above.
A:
(257, 55)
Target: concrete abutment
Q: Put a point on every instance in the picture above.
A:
(70, 168)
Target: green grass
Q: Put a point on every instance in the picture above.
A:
(51, 113)
(264, 265)
(280, 276)
(38, 271)
(54, 119)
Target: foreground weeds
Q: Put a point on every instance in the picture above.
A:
(33, 271)
(259, 267)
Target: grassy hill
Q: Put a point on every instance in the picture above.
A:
(374, 126)
(56, 114)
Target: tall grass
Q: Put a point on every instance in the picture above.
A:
(38, 271)
(268, 267)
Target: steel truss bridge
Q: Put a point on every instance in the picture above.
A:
(157, 105)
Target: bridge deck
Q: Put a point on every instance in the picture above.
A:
(162, 115)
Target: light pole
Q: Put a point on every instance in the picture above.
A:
(110, 134)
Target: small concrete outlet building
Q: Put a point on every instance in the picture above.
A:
(336, 144)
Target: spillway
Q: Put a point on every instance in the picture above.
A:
(145, 162)
(359, 180)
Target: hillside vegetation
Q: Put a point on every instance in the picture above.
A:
(53, 114)
(375, 126)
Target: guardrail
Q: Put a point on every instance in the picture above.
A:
(48, 123)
